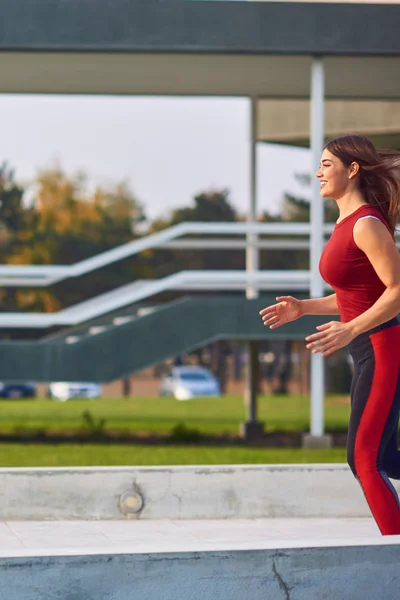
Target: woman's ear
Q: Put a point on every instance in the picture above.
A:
(353, 170)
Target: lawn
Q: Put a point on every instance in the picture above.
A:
(161, 415)
(60, 455)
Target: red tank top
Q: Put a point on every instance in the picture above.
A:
(347, 269)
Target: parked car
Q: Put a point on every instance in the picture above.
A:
(18, 390)
(186, 382)
(63, 390)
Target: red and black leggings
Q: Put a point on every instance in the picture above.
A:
(372, 451)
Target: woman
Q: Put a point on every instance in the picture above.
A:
(362, 264)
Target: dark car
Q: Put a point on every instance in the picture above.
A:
(17, 390)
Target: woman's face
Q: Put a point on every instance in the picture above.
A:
(334, 177)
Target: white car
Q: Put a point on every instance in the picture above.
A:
(185, 383)
(65, 390)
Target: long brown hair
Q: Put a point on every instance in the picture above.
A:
(379, 174)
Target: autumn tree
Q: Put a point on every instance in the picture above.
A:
(13, 213)
(67, 224)
(15, 222)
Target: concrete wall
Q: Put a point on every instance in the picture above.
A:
(181, 492)
(356, 573)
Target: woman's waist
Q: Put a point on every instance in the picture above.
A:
(359, 343)
(352, 305)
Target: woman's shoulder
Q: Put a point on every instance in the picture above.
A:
(367, 211)
(366, 214)
(367, 224)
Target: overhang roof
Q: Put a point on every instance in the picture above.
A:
(265, 76)
(157, 47)
(288, 121)
(197, 27)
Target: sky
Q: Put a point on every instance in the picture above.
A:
(167, 149)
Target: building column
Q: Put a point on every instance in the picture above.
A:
(252, 258)
(316, 436)
(252, 428)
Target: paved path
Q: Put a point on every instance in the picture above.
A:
(33, 538)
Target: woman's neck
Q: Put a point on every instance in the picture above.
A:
(349, 202)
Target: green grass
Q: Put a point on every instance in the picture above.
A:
(59, 455)
(160, 415)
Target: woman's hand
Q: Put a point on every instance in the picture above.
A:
(331, 337)
(288, 309)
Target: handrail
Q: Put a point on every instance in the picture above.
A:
(45, 275)
(128, 294)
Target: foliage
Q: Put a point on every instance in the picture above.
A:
(298, 210)
(66, 224)
(213, 206)
(182, 434)
(13, 215)
(15, 224)
(96, 427)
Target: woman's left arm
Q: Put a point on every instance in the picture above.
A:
(374, 239)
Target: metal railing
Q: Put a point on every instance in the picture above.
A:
(46, 275)
(34, 275)
(140, 290)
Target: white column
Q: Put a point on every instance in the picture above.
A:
(316, 234)
(252, 429)
(251, 238)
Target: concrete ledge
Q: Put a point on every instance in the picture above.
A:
(317, 441)
(196, 492)
(360, 573)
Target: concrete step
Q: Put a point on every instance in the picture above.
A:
(45, 538)
(178, 492)
(239, 559)
(251, 532)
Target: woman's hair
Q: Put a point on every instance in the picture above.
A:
(379, 174)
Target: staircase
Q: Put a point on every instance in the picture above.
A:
(113, 335)
(121, 343)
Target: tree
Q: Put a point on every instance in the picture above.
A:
(330, 208)
(68, 224)
(14, 217)
(15, 222)
(295, 209)
(73, 224)
(213, 206)
(298, 209)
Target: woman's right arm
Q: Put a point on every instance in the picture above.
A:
(320, 306)
(289, 309)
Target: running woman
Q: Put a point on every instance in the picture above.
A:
(362, 264)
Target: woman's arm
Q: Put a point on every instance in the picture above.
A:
(373, 238)
(289, 309)
(320, 306)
